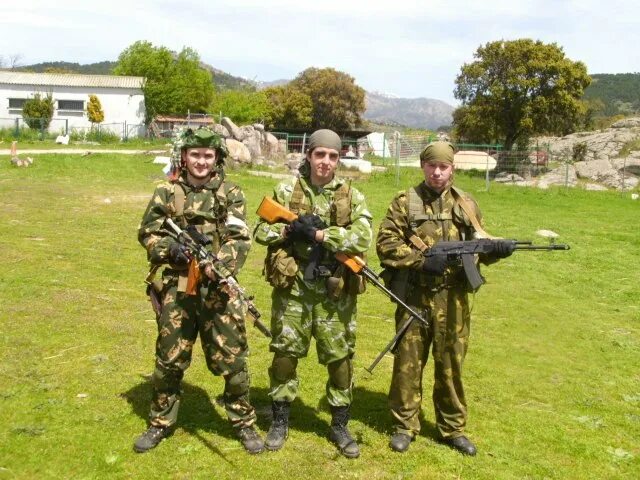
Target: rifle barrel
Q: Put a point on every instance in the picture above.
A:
(555, 246)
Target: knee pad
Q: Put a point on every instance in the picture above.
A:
(340, 373)
(237, 383)
(283, 368)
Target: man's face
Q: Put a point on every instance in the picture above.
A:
(437, 174)
(323, 162)
(199, 162)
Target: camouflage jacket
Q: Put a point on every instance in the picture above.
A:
(441, 219)
(353, 238)
(218, 209)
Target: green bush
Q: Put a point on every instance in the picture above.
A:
(38, 111)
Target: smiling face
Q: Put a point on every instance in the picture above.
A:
(323, 162)
(437, 174)
(199, 163)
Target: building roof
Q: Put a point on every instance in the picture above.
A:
(70, 80)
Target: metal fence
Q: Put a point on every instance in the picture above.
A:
(537, 166)
(34, 129)
(297, 143)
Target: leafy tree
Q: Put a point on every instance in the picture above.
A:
(242, 106)
(174, 83)
(289, 107)
(94, 110)
(38, 111)
(338, 103)
(516, 89)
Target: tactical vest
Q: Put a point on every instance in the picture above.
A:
(280, 265)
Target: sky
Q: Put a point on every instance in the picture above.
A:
(407, 48)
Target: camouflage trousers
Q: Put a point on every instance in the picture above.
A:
(448, 313)
(220, 323)
(300, 313)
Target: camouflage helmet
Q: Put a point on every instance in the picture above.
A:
(202, 137)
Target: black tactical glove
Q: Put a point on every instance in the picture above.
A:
(504, 248)
(179, 255)
(305, 227)
(435, 265)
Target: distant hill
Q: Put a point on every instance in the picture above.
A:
(100, 68)
(412, 112)
(620, 92)
(221, 79)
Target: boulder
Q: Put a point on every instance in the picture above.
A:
(221, 130)
(269, 144)
(595, 187)
(594, 169)
(631, 164)
(238, 151)
(252, 140)
(259, 127)
(627, 123)
(234, 130)
(564, 175)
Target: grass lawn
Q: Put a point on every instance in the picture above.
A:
(552, 374)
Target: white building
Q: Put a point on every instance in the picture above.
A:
(121, 98)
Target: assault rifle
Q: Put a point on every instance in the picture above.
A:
(464, 251)
(196, 243)
(271, 212)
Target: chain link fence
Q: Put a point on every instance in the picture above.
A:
(26, 129)
(537, 166)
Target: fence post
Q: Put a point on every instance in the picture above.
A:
(17, 131)
(396, 134)
(125, 137)
(384, 141)
(41, 129)
(304, 142)
(66, 127)
(486, 174)
(566, 174)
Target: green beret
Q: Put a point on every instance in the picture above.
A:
(325, 138)
(438, 152)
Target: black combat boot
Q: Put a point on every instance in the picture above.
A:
(461, 444)
(279, 429)
(339, 434)
(250, 440)
(400, 442)
(151, 438)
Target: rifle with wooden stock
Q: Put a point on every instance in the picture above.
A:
(272, 212)
(196, 243)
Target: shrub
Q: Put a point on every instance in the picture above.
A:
(38, 111)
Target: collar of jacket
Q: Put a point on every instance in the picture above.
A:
(429, 194)
(213, 184)
(334, 184)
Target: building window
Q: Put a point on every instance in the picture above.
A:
(72, 105)
(16, 103)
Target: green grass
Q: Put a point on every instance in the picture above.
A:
(552, 375)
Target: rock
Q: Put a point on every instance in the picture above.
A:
(282, 146)
(269, 144)
(627, 123)
(62, 139)
(257, 161)
(594, 169)
(595, 187)
(564, 175)
(234, 130)
(504, 177)
(238, 152)
(631, 164)
(252, 140)
(259, 127)
(221, 130)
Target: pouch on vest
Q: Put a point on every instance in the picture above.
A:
(280, 267)
(396, 280)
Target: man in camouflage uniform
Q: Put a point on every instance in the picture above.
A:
(197, 194)
(313, 295)
(416, 220)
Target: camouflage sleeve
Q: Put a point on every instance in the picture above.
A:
(392, 244)
(271, 234)
(356, 237)
(149, 232)
(235, 238)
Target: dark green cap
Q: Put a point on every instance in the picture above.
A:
(438, 152)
